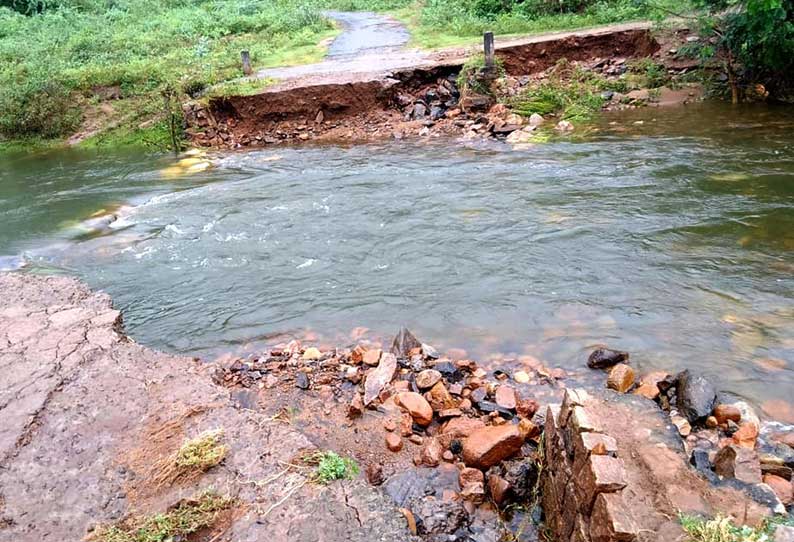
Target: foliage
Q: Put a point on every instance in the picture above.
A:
(202, 452)
(570, 91)
(722, 529)
(652, 75)
(181, 521)
(330, 466)
(472, 76)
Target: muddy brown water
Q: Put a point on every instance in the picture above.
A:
(667, 233)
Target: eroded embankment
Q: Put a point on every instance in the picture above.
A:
(379, 105)
(99, 434)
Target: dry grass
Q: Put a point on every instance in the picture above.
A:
(193, 458)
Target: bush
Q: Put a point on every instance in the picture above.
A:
(37, 108)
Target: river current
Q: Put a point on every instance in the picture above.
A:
(667, 233)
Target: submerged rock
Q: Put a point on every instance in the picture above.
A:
(604, 358)
(696, 397)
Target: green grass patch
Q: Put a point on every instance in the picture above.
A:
(330, 466)
(183, 520)
(722, 529)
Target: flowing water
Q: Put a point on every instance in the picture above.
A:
(668, 233)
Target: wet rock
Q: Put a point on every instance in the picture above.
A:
(498, 488)
(621, 378)
(394, 442)
(458, 429)
(379, 377)
(740, 463)
(649, 385)
(724, 412)
(506, 397)
(356, 406)
(357, 354)
(782, 488)
(449, 371)
(416, 405)
(372, 357)
(522, 476)
(302, 381)
(427, 379)
(489, 407)
(403, 343)
(604, 358)
(696, 396)
(429, 352)
(488, 446)
(436, 516)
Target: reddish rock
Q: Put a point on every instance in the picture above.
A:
(439, 398)
(734, 461)
(416, 439)
(779, 410)
(621, 378)
(379, 377)
(465, 405)
(432, 452)
(357, 354)
(527, 408)
(469, 475)
(488, 446)
(374, 473)
(473, 492)
(356, 406)
(723, 413)
(458, 429)
(394, 442)
(416, 405)
(609, 521)
(711, 422)
(406, 424)
(746, 436)
(450, 413)
(649, 385)
(599, 474)
(448, 456)
(498, 488)
(427, 379)
(781, 487)
(506, 397)
(390, 425)
(371, 357)
(784, 438)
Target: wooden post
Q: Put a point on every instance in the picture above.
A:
(246, 57)
(488, 45)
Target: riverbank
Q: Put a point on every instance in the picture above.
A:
(88, 407)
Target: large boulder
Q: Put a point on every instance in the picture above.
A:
(696, 396)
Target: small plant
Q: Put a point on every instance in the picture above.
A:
(331, 466)
(722, 529)
(181, 521)
(472, 77)
(649, 73)
(203, 452)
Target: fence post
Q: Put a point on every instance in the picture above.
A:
(246, 58)
(488, 45)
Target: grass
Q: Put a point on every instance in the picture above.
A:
(194, 457)
(185, 519)
(330, 466)
(722, 529)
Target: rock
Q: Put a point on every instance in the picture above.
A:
(610, 520)
(372, 357)
(526, 408)
(649, 385)
(782, 488)
(469, 476)
(740, 463)
(683, 426)
(535, 119)
(432, 452)
(450, 413)
(356, 407)
(312, 354)
(302, 381)
(374, 473)
(403, 343)
(357, 354)
(746, 436)
(394, 442)
(498, 488)
(457, 429)
(604, 358)
(490, 407)
(410, 519)
(642, 95)
(521, 377)
(488, 446)
(390, 425)
(564, 126)
(439, 397)
(784, 438)
(436, 112)
(784, 533)
(473, 492)
(506, 397)
(416, 405)
(416, 439)
(518, 137)
(696, 397)
(748, 414)
(621, 378)
(448, 456)
(419, 111)
(724, 412)
(379, 377)
(353, 375)
(406, 425)
(438, 517)
(711, 422)
(427, 379)
(476, 102)
(429, 352)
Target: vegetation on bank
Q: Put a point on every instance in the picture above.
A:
(722, 529)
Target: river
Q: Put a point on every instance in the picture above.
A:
(667, 233)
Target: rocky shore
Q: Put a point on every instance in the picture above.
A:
(367, 441)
